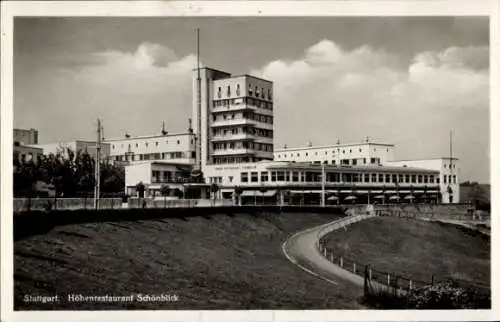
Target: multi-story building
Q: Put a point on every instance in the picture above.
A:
(21, 149)
(234, 119)
(25, 137)
(338, 154)
(449, 171)
(165, 147)
(77, 146)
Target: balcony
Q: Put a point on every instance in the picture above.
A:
(233, 137)
(232, 122)
(239, 151)
(242, 107)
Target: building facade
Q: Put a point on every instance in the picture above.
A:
(22, 151)
(154, 175)
(234, 118)
(449, 174)
(177, 148)
(78, 146)
(339, 154)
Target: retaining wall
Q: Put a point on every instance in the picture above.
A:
(51, 204)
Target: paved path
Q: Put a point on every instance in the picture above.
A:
(301, 250)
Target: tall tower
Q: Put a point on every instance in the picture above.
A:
(236, 118)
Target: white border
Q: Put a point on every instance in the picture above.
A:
(229, 8)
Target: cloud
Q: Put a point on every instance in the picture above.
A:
(132, 92)
(331, 93)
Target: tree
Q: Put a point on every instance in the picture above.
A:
(165, 190)
(237, 193)
(140, 189)
(213, 189)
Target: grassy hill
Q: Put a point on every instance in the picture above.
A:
(416, 248)
(209, 262)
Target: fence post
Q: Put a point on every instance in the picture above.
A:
(388, 279)
(370, 273)
(324, 251)
(432, 280)
(354, 267)
(331, 257)
(410, 287)
(365, 281)
(341, 261)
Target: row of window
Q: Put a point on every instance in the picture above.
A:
(258, 92)
(243, 145)
(245, 115)
(297, 154)
(146, 144)
(233, 160)
(451, 179)
(450, 166)
(154, 156)
(243, 130)
(346, 177)
(348, 161)
(247, 101)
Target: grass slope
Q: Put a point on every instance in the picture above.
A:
(211, 262)
(416, 248)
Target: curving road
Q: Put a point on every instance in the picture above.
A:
(301, 250)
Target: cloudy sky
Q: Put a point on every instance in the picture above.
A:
(407, 81)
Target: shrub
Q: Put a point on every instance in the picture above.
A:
(447, 295)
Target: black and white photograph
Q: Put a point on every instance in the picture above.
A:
(214, 163)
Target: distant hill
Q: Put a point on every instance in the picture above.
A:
(477, 193)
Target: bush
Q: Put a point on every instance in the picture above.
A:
(447, 295)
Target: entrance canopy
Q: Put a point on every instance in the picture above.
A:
(252, 193)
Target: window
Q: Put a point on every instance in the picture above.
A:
(374, 177)
(372, 160)
(287, 176)
(244, 177)
(444, 179)
(413, 178)
(354, 162)
(269, 94)
(380, 177)
(281, 176)
(273, 175)
(407, 178)
(426, 179)
(431, 178)
(454, 179)
(146, 144)
(388, 178)
(238, 90)
(419, 178)
(264, 176)
(178, 142)
(156, 143)
(395, 178)
(254, 176)
(219, 92)
(250, 92)
(137, 145)
(438, 180)
(367, 177)
(256, 91)
(229, 91)
(295, 176)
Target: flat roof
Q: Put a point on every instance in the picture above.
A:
(424, 159)
(156, 162)
(213, 69)
(247, 75)
(147, 137)
(295, 165)
(331, 146)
